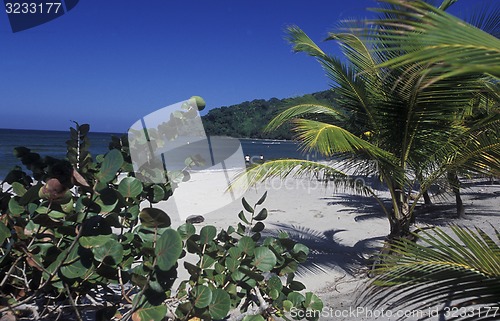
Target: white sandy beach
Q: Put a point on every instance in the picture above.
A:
(343, 230)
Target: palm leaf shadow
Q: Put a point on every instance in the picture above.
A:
(327, 251)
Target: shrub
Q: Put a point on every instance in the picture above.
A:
(81, 238)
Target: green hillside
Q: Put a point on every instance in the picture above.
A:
(248, 119)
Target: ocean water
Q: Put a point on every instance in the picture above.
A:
(53, 143)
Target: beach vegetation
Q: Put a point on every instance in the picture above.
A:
(407, 126)
(460, 268)
(82, 238)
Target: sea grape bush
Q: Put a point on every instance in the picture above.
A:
(81, 237)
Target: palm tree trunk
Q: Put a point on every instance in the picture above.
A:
(427, 198)
(400, 219)
(455, 186)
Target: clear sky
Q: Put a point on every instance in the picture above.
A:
(110, 62)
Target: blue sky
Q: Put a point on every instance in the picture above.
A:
(110, 62)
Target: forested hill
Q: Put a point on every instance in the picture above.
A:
(248, 119)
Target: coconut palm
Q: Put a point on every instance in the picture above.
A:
(457, 271)
(394, 123)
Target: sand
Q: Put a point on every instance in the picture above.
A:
(344, 230)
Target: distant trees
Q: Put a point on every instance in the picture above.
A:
(248, 119)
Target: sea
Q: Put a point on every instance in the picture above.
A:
(53, 143)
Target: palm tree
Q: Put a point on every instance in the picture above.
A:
(459, 270)
(394, 123)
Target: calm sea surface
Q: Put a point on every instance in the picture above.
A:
(53, 143)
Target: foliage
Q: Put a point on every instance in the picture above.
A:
(392, 124)
(459, 271)
(247, 119)
(448, 45)
(84, 235)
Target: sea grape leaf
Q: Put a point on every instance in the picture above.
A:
(242, 217)
(110, 253)
(130, 187)
(14, 207)
(258, 227)
(247, 245)
(296, 298)
(313, 302)
(264, 260)
(247, 206)
(207, 262)
(186, 230)
(168, 249)
(253, 318)
(220, 305)
(154, 313)
(74, 270)
(207, 234)
(110, 165)
(296, 286)
(18, 188)
(202, 296)
(261, 216)
(89, 242)
(4, 232)
(154, 217)
(232, 264)
(262, 199)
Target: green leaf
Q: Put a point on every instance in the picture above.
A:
(207, 262)
(18, 188)
(242, 217)
(89, 242)
(154, 217)
(110, 165)
(169, 249)
(110, 253)
(232, 264)
(261, 216)
(155, 313)
(247, 245)
(235, 252)
(300, 248)
(296, 286)
(296, 298)
(274, 283)
(4, 232)
(207, 234)
(220, 305)
(287, 305)
(274, 294)
(262, 199)
(186, 230)
(253, 318)
(56, 215)
(202, 296)
(258, 227)
(75, 270)
(158, 194)
(130, 187)
(313, 302)
(14, 207)
(247, 206)
(264, 260)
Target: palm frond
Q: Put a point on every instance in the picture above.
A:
(329, 139)
(344, 78)
(431, 36)
(298, 168)
(310, 108)
(462, 269)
